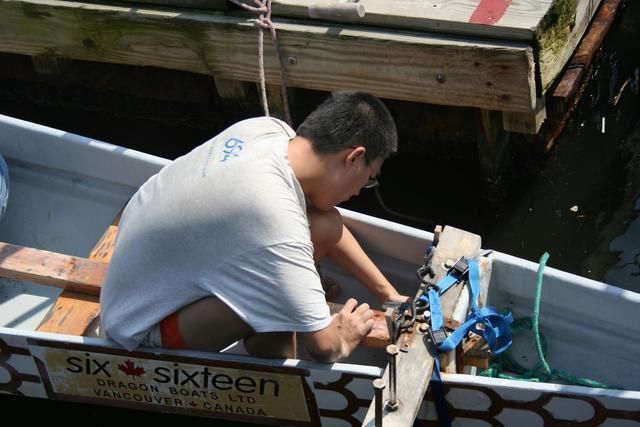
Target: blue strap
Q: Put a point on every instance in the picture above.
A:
(447, 281)
(436, 310)
(495, 326)
(437, 391)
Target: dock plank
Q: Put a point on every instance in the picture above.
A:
(403, 65)
(518, 22)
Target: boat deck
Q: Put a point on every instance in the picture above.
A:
(491, 55)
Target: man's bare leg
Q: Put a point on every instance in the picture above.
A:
(209, 324)
(326, 230)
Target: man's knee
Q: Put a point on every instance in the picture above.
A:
(272, 345)
(326, 227)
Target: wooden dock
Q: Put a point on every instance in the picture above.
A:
(492, 55)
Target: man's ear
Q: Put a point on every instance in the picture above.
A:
(355, 154)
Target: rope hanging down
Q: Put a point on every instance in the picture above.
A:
(263, 8)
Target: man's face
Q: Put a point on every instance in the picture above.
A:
(352, 176)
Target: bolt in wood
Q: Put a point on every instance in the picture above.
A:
(378, 386)
(392, 353)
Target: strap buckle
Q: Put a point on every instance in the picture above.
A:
(460, 267)
(438, 336)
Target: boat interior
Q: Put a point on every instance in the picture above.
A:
(66, 190)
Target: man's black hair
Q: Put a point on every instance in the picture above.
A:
(349, 119)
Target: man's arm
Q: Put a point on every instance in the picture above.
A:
(342, 336)
(348, 254)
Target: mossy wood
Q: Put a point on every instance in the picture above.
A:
(404, 65)
(558, 34)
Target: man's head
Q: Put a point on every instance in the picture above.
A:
(350, 134)
(348, 120)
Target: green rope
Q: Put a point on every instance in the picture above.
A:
(541, 372)
(536, 313)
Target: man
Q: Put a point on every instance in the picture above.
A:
(223, 244)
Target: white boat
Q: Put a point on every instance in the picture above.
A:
(67, 189)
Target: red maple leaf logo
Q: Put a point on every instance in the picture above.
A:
(129, 368)
(192, 403)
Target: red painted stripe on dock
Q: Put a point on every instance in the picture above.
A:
(489, 12)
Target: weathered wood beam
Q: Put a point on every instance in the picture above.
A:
(75, 312)
(406, 66)
(50, 268)
(586, 51)
(192, 4)
(413, 373)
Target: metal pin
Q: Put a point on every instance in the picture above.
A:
(378, 386)
(392, 353)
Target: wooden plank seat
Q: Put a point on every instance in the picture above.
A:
(76, 312)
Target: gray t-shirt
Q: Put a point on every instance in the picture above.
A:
(227, 219)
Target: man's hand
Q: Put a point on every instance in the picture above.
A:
(353, 323)
(335, 342)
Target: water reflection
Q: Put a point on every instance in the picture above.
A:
(626, 272)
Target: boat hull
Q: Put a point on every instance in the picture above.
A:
(66, 190)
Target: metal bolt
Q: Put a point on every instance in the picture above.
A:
(448, 264)
(441, 78)
(292, 60)
(424, 328)
(392, 353)
(378, 386)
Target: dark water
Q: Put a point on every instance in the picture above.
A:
(581, 204)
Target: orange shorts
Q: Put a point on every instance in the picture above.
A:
(170, 332)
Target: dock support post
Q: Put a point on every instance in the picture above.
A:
(493, 147)
(46, 64)
(232, 89)
(529, 122)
